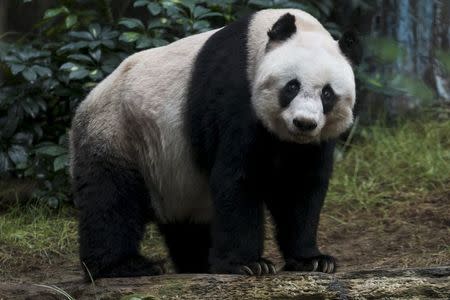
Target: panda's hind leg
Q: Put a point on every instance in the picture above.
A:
(114, 208)
(188, 246)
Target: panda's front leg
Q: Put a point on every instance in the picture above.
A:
(296, 213)
(238, 223)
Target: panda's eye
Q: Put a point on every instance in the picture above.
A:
(328, 98)
(293, 86)
(288, 92)
(328, 93)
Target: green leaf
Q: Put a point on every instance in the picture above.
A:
(140, 3)
(110, 64)
(30, 107)
(18, 154)
(109, 44)
(95, 30)
(209, 15)
(80, 57)
(190, 4)
(261, 3)
(109, 34)
(29, 74)
(69, 66)
(42, 104)
(16, 68)
(79, 74)
(71, 20)
(84, 35)
(159, 42)
(158, 23)
(12, 121)
(53, 202)
(53, 12)
(4, 162)
(129, 36)
(132, 23)
(200, 10)
(201, 25)
(23, 138)
(73, 46)
(96, 55)
(52, 150)
(96, 74)
(94, 44)
(42, 71)
(154, 8)
(144, 42)
(60, 162)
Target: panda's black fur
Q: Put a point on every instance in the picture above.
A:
(248, 168)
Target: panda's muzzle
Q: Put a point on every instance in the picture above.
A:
(304, 125)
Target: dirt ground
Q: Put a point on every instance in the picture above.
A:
(404, 234)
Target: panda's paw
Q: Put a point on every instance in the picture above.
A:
(158, 267)
(257, 268)
(321, 263)
(131, 267)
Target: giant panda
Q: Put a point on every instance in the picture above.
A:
(200, 135)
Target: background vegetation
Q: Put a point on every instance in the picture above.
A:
(76, 43)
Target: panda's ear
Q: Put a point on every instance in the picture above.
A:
(351, 46)
(283, 28)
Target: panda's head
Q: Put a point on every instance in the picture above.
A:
(304, 89)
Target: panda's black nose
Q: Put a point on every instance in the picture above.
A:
(305, 124)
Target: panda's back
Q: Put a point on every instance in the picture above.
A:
(138, 110)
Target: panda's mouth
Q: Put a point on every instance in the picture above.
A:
(302, 137)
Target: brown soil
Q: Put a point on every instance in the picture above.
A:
(403, 234)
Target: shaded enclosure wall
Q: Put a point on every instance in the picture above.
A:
(18, 17)
(422, 30)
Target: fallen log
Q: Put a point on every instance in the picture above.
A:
(426, 283)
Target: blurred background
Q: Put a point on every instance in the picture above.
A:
(388, 204)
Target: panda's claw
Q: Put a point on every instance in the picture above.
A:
(247, 270)
(265, 268)
(331, 266)
(325, 267)
(256, 267)
(315, 265)
(272, 269)
(321, 263)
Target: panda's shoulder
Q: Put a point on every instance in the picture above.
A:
(181, 50)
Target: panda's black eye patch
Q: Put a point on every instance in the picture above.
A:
(329, 98)
(288, 92)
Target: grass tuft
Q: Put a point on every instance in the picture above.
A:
(35, 229)
(392, 164)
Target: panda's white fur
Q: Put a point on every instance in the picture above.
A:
(148, 90)
(139, 108)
